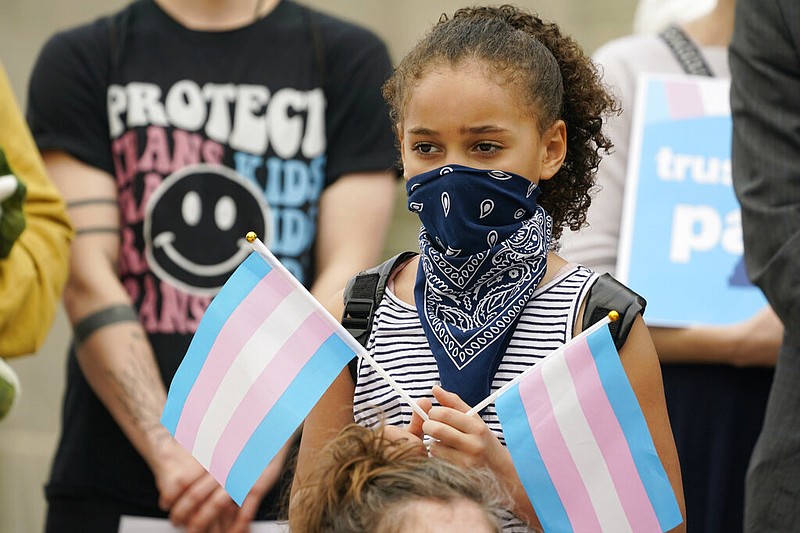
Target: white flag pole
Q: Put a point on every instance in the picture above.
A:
(392, 383)
(611, 317)
(265, 254)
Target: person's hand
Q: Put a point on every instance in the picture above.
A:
(192, 496)
(466, 441)
(412, 433)
(757, 340)
(461, 439)
(204, 507)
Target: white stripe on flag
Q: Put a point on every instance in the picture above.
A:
(246, 368)
(582, 446)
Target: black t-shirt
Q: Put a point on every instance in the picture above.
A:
(208, 135)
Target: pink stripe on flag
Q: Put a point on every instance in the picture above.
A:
(262, 396)
(610, 438)
(685, 100)
(240, 326)
(555, 454)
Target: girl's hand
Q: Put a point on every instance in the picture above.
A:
(462, 439)
(413, 431)
(415, 426)
(467, 441)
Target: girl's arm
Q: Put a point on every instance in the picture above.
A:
(332, 412)
(640, 361)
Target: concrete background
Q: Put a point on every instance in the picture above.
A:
(28, 435)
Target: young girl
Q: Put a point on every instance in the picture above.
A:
(498, 119)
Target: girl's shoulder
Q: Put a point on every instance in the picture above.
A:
(556, 266)
(404, 278)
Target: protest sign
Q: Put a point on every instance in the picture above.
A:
(681, 238)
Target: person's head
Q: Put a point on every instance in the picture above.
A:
(363, 482)
(497, 88)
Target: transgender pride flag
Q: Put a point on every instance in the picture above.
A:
(263, 354)
(580, 443)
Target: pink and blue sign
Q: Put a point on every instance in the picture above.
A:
(681, 240)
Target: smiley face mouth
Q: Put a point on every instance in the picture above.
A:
(164, 242)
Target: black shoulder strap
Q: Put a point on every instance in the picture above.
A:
(685, 51)
(361, 296)
(608, 294)
(363, 293)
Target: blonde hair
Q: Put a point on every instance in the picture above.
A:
(364, 482)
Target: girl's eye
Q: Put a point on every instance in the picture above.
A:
(486, 148)
(424, 148)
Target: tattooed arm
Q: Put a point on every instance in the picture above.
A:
(114, 353)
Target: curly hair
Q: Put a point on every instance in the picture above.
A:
(364, 482)
(555, 76)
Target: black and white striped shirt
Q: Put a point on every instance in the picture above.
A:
(398, 344)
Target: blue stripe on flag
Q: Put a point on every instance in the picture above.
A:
(240, 284)
(289, 411)
(634, 426)
(528, 462)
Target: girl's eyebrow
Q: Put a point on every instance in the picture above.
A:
(422, 131)
(489, 128)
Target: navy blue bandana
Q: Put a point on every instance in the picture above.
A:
(484, 243)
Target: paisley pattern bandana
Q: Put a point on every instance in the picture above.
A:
(484, 243)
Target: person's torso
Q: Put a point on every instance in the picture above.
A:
(212, 135)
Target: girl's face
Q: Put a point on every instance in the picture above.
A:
(460, 115)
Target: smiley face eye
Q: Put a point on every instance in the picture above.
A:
(192, 208)
(225, 213)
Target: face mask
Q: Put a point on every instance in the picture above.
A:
(483, 243)
(467, 210)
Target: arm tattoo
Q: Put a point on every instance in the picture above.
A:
(105, 317)
(85, 231)
(90, 201)
(137, 390)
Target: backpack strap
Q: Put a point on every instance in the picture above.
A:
(685, 51)
(361, 296)
(608, 294)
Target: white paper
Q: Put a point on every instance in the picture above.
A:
(143, 524)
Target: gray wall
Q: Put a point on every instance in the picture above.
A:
(27, 436)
